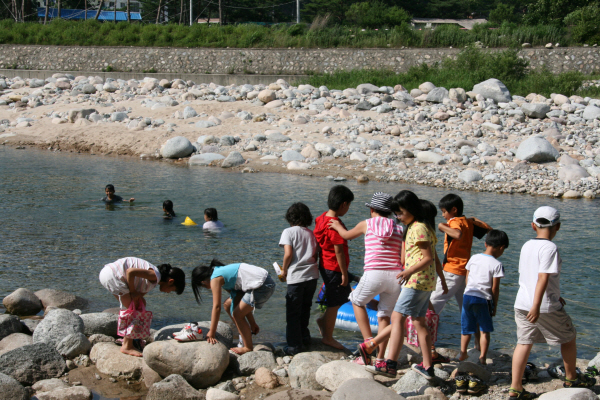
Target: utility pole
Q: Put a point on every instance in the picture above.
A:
(128, 12)
(115, 10)
(158, 13)
(297, 11)
(59, 8)
(99, 10)
(46, 13)
(220, 13)
(191, 13)
(85, 15)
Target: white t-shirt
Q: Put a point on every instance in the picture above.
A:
(539, 256)
(119, 269)
(482, 269)
(304, 265)
(250, 277)
(213, 225)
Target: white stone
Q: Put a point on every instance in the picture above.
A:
(333, 374)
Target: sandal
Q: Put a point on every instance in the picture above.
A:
(520, 395)
(439, 359)
(366, 348)
(582, 381)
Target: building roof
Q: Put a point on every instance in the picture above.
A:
(91, 14)
(465, 23)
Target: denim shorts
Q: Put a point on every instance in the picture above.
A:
(258, 297)
(475, 311)
(413, 302)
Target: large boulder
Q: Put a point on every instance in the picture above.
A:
(360, 389)
(303, 368)
(253, 360)
(572, 173)
(57, 324)
(537, 149)
(367, 88)
(74, 345)
(100, 323)
(14, 341)
(233, 160)
(219, 394)
(10, 389)
(535, 110)
(224, 332)
(32, 363)
(333, 374)
(173, 387)
(9, 324)
(493, 89)
(430, 157)
(267, 96)
(570, 394)
(300, 394)
(70, 393)
(437, 95)
(291, 155)
(47, 385)
(22, 302)
(177, 147)
(110, 361)
(591, 113)
(412, 382)
(60, 299)
(201, 364)
(470, 175)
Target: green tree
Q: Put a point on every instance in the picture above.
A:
(503, 12)
(376, 15)
(585, 24)
(336, 9)
(551, 11)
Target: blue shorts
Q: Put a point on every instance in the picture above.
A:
(413, 302)
(475, 311)
(259, 296)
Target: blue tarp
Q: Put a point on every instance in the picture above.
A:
(91, 14)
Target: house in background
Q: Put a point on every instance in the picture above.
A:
(91, 14)
(431, 23)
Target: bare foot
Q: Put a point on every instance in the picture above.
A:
(482, 361)
(333, 343)
(320, 325)
(131, 352)
(240, 350)
(462, 356)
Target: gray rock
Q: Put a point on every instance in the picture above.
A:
(88, 88)
(29, 364)
(100, 323)
(537, 150)
(110, 361)
(324, 149)
(291, 155)
(457, 94)
(200, 363)
(77, 113)
(173, 387)
(277, 137)
(205, 124)
(358, 156)
(478, 370)
(299, 394)
(177, 147)
(430, 157)
(189, 112)
(303, 368)
(29, 325)
(10, 389)
(60, 299)
(572, 173)
(233, 160)
(70, 393)
(367, 88)
(470, 175)
(224, 332)
(363, 106)
(570, 394)
(36, 83)
(100, 338)
(218, 394)
(14, 341)
(412, 382)
(205, 159)
(384, 108)
(118, 116)
(56, 325)
(591, 113)
(225, 99)
(361, 389)
(47, 385)
(437, 95)
(9, 324)
(374, 101)
(333, 374)
(253, 360)
(535, 110)
(73, 345)
(493, 89)
(207, 139)
(227, 141)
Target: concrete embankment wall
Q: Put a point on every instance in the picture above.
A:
(262, 61)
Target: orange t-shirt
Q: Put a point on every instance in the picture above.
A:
(458, 251)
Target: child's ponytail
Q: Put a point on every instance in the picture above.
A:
(167, 272)
(201, 274)
(429, 214)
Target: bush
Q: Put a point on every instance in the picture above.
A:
(502, 13)
(585, 24)
(376, 15)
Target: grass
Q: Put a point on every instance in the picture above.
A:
(472, 66)
(88, 33)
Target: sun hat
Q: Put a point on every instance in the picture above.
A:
(381, 202)
(547, 213)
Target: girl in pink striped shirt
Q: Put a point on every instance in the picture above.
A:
(383, 244)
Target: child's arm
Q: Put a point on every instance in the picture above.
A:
(287, 259)
(359, 229)
(130, 276)
(421, 265)
(496, 293)
(440, 272)
(453, 233)
(341, 259)
(215, 285)
(540, 289)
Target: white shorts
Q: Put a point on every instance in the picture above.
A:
(456, 288)
(113, 284)
(377, 282)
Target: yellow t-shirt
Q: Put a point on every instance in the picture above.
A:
(426, 279)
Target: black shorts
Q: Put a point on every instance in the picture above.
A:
(335, 293)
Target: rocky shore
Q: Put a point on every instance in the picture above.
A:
(479, 138)
(67, 354)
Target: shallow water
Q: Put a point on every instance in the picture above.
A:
(56, 233)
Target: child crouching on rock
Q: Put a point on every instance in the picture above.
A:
(253, 284)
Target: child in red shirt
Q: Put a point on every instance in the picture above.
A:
(334, 261)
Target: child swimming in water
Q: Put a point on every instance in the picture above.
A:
(249, 286)
(168, 209)
(212, 219)
(111, 197)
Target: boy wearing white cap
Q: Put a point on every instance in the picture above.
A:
(539, 309)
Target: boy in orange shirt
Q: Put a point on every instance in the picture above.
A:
(459, 232)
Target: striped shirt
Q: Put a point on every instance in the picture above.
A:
(383, 243)
(119, 269)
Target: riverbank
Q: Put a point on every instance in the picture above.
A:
(482, 139)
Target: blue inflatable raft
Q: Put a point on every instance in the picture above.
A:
(345, 317)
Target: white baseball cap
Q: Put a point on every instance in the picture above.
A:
(547, 213)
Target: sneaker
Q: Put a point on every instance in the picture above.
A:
(439, 359)
(591, 372)
(385, 368)
(428, 373)
(582, 381)
(531, 373)
(240, 341)
(185, 329)
(558, 372)
(189, 335)
(462, 383)
(476, 385)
